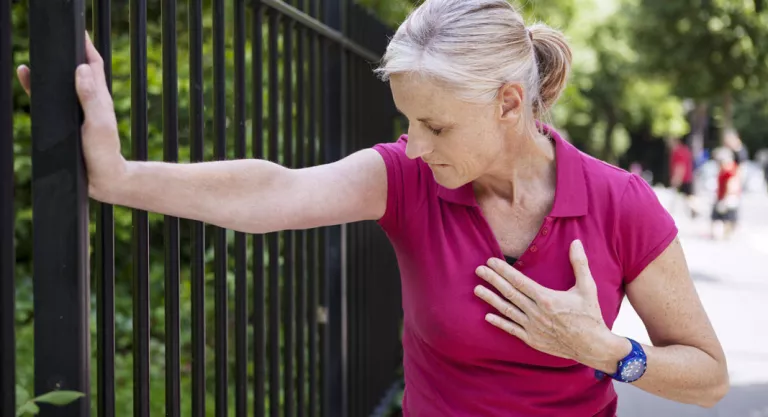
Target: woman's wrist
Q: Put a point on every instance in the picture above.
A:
(606, 352)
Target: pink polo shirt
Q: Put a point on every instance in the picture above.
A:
(456, 364)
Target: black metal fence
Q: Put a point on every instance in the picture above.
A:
(315, 322)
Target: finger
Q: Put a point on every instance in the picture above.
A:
(93, 57)
(580, 265)
(25, 78)
(527, 286)
(509, 310)
(510, 327)
(87, 90)
(506, 289)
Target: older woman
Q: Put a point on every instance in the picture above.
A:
(515, 249)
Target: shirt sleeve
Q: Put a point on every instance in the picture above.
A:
(644, 228)
(404, 179)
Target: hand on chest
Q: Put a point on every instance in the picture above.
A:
(445, 313)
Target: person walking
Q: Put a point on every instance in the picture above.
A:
(515, 249)
(729, 184)
(681, 174)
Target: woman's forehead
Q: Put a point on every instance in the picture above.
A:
(425, 98)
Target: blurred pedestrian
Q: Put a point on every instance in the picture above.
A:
(681, 174)
(725, 210)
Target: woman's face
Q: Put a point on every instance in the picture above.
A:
(460, 141)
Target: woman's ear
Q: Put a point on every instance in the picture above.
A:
(511, 101)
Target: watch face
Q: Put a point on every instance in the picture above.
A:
(633, 369)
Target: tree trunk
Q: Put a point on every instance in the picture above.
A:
(727, 110)
(699, 124)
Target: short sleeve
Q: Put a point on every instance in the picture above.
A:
(644, 228)
(404, 180)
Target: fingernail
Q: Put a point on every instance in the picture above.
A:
(478, 290)
(83, 73)
(578, 244)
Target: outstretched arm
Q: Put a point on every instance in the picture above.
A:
(254, 196)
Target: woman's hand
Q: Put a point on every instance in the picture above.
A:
(567, 324)
(101, 142)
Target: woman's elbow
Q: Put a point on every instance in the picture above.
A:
(717, 391)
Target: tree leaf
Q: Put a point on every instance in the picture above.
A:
(59, 397)
(28, 408)
(21, 395)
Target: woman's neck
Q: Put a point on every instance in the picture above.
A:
(527, 166)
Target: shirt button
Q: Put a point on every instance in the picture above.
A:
(545, 231)
(534, 248)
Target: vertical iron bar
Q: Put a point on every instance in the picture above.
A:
(259, 285)
(241, 283)
(7, 220)
(353, 246)
(140, 238)
(59, 205)
(335, 109)
(288, 235)
(311, 249)
(220, 242)
(272, 238)
(171, 224)
(322, 235)
(105, 245)
(301, 150)
(197, 275)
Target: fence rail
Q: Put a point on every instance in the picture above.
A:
(313, 327)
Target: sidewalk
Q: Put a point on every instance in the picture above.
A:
(732, 280)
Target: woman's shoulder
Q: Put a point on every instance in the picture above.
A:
(409, 183)
(640, 225)
(612, 187)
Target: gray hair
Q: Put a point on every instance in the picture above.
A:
(477, 46)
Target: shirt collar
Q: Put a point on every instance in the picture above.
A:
(571, 188)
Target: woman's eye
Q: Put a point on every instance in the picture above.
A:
(436, 132)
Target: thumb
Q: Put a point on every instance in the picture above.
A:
(85, 84)
(584, 279)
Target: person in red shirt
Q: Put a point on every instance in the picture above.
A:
(724, 212)
(681, 172)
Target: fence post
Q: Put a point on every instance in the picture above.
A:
(7, 253)
(60, 205)
(334, 115)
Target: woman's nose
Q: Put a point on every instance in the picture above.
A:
(417, 148)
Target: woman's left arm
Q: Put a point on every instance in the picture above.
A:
(686, 362)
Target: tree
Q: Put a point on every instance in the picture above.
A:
(708, 49)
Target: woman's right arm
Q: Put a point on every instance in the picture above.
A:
(255, 196)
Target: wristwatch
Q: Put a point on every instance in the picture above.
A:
(631, 368)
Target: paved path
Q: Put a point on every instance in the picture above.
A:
(732, 280)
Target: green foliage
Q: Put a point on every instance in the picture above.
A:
(704, 47)
(29, 406)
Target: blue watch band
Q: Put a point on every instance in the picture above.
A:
(631, 368)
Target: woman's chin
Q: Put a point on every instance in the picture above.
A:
(447, 179)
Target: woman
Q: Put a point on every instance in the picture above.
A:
(493, 218)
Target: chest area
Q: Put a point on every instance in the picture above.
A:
(514, 228)
(438, 279)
